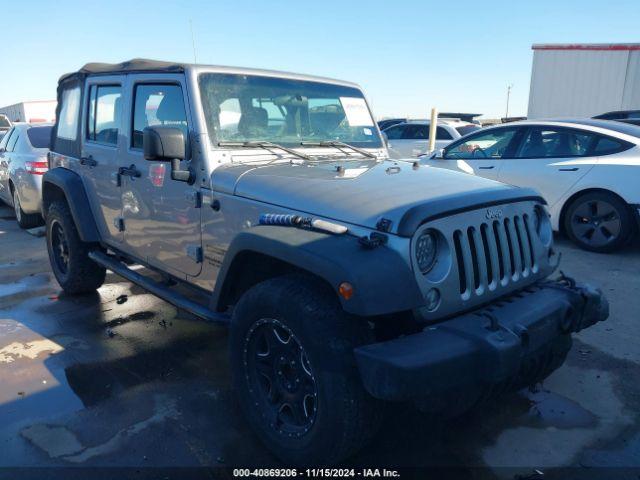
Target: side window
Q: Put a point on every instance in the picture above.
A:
(69, 113)
(416, 132)
(492, 144)
(394, 133)
(548, 142)
(103, 121)
(443, 134)
(6, 138)
(608, 145)
(157, 104)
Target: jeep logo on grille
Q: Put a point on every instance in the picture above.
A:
(493, 213)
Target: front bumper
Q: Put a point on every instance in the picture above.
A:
(513, 341)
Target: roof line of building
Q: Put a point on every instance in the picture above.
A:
(587, 46)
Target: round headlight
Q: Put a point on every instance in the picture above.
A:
(426, 251)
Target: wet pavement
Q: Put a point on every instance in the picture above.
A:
(120, 378)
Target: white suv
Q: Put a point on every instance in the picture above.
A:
(411, 139)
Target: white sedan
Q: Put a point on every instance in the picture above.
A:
(587, 170)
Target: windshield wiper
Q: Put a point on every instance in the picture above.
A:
(340, 146)
(265, 145)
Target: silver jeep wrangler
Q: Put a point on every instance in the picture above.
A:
(266, 202)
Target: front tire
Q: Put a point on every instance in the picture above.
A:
(294, 371)
(599, 222)
(68, 254)
(25, 220)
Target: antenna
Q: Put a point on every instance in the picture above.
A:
(193, 42)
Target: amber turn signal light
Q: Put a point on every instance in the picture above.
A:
(345, 290)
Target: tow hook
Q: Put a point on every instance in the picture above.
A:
(589, 308)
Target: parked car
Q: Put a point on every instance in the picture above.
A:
(5, 125)
(626, 116)
(23, 161)
(411, 139)
(588, 171)
(347, 279)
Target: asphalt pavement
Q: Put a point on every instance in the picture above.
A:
(121, 378)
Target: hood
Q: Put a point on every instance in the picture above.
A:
(365, 191)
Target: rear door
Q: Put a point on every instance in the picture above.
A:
(481, 154)
(8, 160)
(550, 160)
(415, 140)
(161, 219)
(102, 140)
(5, 194)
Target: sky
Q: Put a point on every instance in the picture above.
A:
(408, 56)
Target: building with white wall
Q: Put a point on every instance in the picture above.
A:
(32, 112)
(583, 80)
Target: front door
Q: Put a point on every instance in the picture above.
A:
(160, 215)
(481, 154)
(98, 164)
(550, 160)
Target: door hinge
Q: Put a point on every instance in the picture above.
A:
(194, 198)
(194, 252)
(118, 222)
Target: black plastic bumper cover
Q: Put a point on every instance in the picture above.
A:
(482, 347)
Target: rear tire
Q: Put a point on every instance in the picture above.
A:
(295, 374)
(75, 271)
(25, 220)
(599, 222)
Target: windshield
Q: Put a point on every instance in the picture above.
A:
(40, 137)
(249, 108)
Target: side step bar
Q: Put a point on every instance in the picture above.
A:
(158, 289)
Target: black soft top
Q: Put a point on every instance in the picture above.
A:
(134, 65)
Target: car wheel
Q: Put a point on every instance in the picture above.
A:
(68, 254)
(295, 374)
(599, 222)
(24, 220)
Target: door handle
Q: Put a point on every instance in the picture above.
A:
(574, 169)
(486, 168)
(130, 171)
(88, 161)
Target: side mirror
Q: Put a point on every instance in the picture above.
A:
(163, 143)
(438, 153)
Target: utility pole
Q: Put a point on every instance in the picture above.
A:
(509, 87)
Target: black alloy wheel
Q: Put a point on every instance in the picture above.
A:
(280, 377)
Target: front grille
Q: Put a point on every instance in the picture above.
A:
(494, 254)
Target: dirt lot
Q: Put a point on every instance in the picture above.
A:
(121, 378)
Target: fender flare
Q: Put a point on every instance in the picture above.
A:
(73, 190)
(383, 282)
